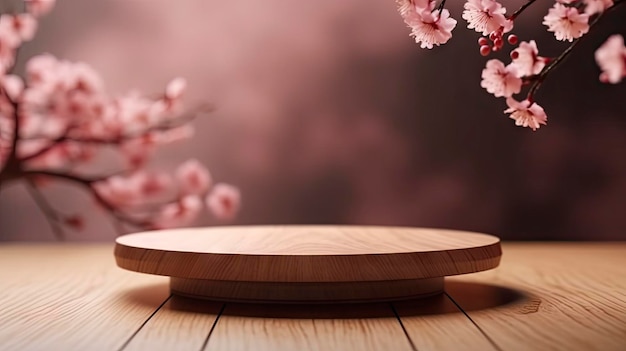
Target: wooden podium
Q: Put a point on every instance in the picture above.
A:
(307, 264)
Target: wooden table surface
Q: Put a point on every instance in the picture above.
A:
(544, 296)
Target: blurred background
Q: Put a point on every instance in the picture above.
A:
(329, 113)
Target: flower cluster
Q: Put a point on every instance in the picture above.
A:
(569, 20)
(58, 120)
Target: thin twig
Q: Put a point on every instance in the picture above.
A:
(520, 10)
(67, 176)
(181, 121)
(51, 215)
(88, 184)
(441, 5)
(118, 226)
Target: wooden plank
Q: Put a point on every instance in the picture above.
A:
(295, 327)
(574, 297)
(437, 323)
(71, 297)
(181, 324)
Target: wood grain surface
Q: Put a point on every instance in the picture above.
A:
(312, 254)
(542, 297)
(69, 297)
(576, 298)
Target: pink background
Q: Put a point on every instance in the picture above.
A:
(329, 113)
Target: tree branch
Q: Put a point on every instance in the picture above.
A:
(554, 63)
(51, 215)
(88, 184)
(520, 10)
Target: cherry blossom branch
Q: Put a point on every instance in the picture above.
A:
(67, 176)
(539, 78)
(54, 220)
(11, 161)
(88, 184)
(70, 98)
(441, 5)
(514, 15)
(166, 126)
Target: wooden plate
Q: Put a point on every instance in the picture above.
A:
(307, 263)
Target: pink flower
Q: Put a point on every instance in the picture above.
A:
(175, 88)
(39, 7)
(41, 69)
(406, 7)
(153, 185)
(119, 191)
(9, 41)
(180, 213)
(224, 201)
(611, 57)
(597, 6)
(136, 113)
(526, 59)
(526, 113)
(500, 80)
(13, 85)
(137, 151)
(23, 25)
(193, 178)
(566, 22)
(485, 16)
(139, 188)
(430, 28)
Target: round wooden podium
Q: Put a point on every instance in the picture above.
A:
(307, 264)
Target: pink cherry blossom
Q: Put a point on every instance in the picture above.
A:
(39, 8)
(430, 28)
(407, 7)
(13, 85)
(154, 185)
(597, 6)
(526, 113)
(611, 57)
(566, 22)
(136, 189)
(119, 191)
(485, 16)
(137, 151)
(41, 69)
(8, 43)
(23, 25)
(66, 118)
(527, 60)
(193, 178)
(175, 88)
(224, 201)
(500, 80)
(179, 213)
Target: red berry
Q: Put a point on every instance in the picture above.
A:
(604, 78)
(75, 222)
(483, 41)
(495, 48)
(498, 43)
(493, 35)
(514, 54)
(512, 39)
(485, 50)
